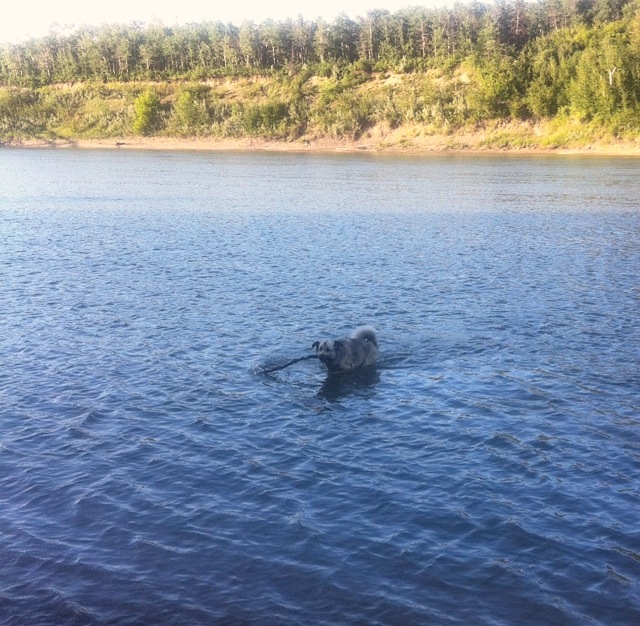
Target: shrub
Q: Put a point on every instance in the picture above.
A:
(190, 116)
(147, 113)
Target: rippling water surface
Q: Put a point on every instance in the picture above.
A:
(487, 472)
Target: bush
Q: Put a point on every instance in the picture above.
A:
(347, 116)
(190, 116)
(268, 119)
(147, 113)
(23, 114)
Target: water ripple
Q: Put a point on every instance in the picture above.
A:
(486, 472)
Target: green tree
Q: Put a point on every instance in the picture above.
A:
(248, 43)
(147, 113)
(321, 40)
(551, 62)
(190, 112)
(601, 87)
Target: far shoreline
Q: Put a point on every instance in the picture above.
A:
(418, 146)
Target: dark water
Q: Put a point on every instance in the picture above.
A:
(488, 471)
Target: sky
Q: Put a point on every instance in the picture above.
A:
(21, 19)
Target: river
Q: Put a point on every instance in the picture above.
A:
(151, 471)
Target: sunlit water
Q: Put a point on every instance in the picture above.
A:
(488, 472)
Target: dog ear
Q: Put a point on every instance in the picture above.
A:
(315, 344)
(337, 345)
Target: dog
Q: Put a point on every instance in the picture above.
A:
(344, 355)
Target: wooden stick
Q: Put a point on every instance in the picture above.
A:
(281, 367)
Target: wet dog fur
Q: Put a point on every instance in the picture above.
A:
(344, 355)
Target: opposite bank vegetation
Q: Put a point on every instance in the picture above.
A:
(509, 69)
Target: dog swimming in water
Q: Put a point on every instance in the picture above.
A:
(344, 355)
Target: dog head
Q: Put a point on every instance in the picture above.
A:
(328, 352)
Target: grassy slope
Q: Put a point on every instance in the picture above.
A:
(381, 111)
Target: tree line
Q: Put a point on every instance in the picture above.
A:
(437, 69)
(407, 40)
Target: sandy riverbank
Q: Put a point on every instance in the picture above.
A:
(390, 143)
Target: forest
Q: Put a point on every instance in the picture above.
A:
(572, 63)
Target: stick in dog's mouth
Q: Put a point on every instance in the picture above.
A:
(288, 363)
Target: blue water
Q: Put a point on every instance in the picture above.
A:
(487, 472)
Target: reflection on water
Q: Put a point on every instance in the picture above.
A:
(152, 472)
(359, 382)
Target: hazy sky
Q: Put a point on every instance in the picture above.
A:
(23, 18)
